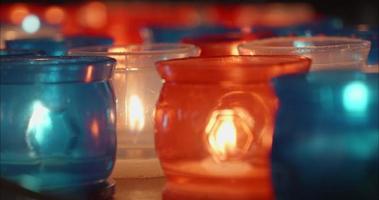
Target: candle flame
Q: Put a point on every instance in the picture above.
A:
(228, 133)
(135, 113)
(224, 139)
(234, 50)
(222, 134)
(39, 124)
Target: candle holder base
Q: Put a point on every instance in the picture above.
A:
(99, 191)
(201, 191)
(137, 168)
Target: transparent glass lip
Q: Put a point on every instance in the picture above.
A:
(137, 50)
(257, 68)
(36, 41)
(54, 69)
(312, 44)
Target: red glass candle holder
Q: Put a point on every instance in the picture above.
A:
(224, 44)
(214, 122)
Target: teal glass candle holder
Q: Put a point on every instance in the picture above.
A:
(326, 136)
(57, 47)
(18, 53)
(57, 121)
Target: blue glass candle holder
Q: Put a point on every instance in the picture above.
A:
(326, 136)
(57, 122)
(57, 47)
(52, 47)
(176, 34)
(324, 26)
(8, 53)
(86, 40)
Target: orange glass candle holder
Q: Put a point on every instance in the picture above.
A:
(214, 122)
(223, 44)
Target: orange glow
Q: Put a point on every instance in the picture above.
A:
(18, 13)
(224, 139)
(121, 59)
(54, 15)
(229, 133)
(93, 15)
(95, 130)
(135, 113)
(89, 73)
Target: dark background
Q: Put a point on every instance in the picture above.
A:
(352, 12)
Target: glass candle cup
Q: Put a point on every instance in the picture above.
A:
(326, 136)
(214, 122)
(18, 53)
(176, 34)
(366, 33)
(362, 31)
(57, 47)
(223, 44)
(57, 121)
(137, 86)
(325, 52)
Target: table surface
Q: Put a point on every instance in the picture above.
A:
(139, 189)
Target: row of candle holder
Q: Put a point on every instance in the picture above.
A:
(213, 118)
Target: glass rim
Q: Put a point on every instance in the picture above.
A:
(55, 69)
(57, 40)
(135, 49)
(55, 60)
(243, 68)
(346, 43)
(19, 52)
(231, 37)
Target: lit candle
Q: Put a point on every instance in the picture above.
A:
(214, 122)
(229, 136)
(137, 85)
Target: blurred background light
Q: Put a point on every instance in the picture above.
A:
(18, 12)
(355, 97)
(93, 15)
(31, 24)
(54, 15)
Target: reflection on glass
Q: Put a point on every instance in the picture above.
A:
(229, 133)
(39, 122)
